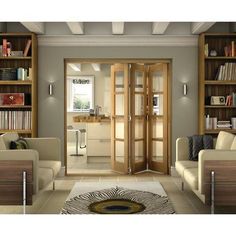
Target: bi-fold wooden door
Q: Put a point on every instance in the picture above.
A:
(139, 117)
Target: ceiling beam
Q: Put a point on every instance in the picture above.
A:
(96, 66)
(118, 27)
(76, 27)
(75, 66)
(36, 27)
(159, 27)
(199, 27)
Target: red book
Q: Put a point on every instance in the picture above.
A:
(27, 47)
(4, 47)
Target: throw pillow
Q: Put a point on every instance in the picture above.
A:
(21, 143)
(224, 140)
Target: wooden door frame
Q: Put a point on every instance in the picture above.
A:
(120, 60)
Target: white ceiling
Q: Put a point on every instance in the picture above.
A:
(116, 28)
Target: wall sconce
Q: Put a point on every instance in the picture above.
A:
(185, 89)
(50, 89)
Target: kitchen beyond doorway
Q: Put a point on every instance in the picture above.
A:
(147, 105)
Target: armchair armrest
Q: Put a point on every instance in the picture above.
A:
(182, 150)
(29, 155)
(48, 148)
(212, 154)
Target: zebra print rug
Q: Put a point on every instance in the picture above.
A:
(118, 199)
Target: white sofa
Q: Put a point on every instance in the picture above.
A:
(44, 152)
(192, 172)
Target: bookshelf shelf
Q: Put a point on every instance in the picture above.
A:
(219, 107)
(13, 107)
(20, 119)
(19, 131)
(15, 82)
(216, 131)
(213, 68)
(220, 82)
(220, 58)
(15, 58)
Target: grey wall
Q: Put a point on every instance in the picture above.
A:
(185, 69)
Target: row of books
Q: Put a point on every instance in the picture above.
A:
(230, 100)
(229, 50)
(14, 120)
(224, 124)
(6, 49)
(214, 123)
(226, 72)
(19, 73)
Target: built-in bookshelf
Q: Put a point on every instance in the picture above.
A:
(18, 83)
(217, 83)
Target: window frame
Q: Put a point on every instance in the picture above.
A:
(70, 92)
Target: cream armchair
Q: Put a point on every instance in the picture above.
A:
(192, 172)
(44, 152)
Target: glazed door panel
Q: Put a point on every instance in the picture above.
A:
(138, 123)
(120, 117)
(158, 118)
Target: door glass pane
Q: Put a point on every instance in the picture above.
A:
(157, 129)
(157, 151)
(139, 128)
(138, 152)
(139, 104)
(119, 111)
(138, 81)
(119, 129)
(158, 104)
(119, 81)
(157, 80)
(119, 149)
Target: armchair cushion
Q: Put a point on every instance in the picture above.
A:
(224, 140)
(48, 148)
(233, 146)
(191, 174)
(55, 166)
(182, 165)
(8, 137)
(45, 177)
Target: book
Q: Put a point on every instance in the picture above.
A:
(30, 75)
(232, 48)
(8, 49)
(20, 73)
(27, 47)
(220, 72)
(4, 47)
(206, 50)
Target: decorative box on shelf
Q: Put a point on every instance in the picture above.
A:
(7, 99)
